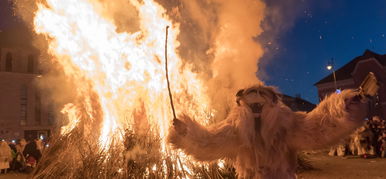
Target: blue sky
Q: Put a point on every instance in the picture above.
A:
(340, 29)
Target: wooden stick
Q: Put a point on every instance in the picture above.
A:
(167, 75)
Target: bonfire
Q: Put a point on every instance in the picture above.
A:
(119, 113)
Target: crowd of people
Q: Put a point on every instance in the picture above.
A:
(367, 141)
(20, 155)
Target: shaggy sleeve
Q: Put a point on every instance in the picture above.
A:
(334, 118)
(205, 144)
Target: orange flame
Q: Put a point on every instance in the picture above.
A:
(126, 70)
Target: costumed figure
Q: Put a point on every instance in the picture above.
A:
(262, 136)
(363, 141)
(340, 149)
(5, 156)
(382, 141)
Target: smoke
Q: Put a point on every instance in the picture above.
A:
(57, 88)
(222, 40)
(218, 38)
(13, 31)
(236, 54)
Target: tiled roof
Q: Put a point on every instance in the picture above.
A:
(297, 103)
(345, 71)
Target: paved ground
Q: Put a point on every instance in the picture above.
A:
(13, 176)
(326, 168)
(347, 167)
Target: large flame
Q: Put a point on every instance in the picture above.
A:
(125, 70)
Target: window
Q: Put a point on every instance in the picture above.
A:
(38, 104)
(8, 62)
(23, 105)
(51, 115)
(31, 64)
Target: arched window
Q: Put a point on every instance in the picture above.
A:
(8, 62)
(31, 64)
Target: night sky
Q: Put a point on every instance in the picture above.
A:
(338, 29)
(299, 47)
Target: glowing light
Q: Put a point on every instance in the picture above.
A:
(119, 77)
(329, 67)
(221, 164)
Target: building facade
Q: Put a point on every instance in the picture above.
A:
(353, 73)
(22, 114)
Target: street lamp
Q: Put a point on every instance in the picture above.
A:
(331, 67)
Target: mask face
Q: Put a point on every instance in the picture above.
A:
(256, 107)
(253, 96)
(257, 97)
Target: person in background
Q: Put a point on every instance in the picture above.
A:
(21, 143)
(12, 145)
(5, 156)
(20, 160)
(32, 153)
(340, 149)
(382, 141)
(40, 145)
(374, 127)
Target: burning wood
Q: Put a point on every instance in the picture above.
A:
(120, 117)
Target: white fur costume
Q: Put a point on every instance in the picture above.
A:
(264, 144)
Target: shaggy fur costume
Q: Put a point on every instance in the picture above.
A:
(263, 141)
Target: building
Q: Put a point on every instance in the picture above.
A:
(297, 103)
(353, 73)
(21, 111)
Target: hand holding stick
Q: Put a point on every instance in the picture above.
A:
(179, 126)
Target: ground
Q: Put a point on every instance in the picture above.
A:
(12, 175)
(326, 168)
(351, 167)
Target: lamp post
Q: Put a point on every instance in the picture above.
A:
(331, 67)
